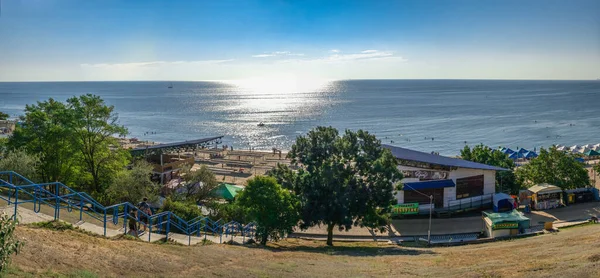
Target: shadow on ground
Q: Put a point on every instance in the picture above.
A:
(354, 251)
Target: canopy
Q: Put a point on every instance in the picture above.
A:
(523, 151)
(596, 147)
(591, 153)
(227, 191)
(530, 155)
(561, 148)
(428, 184)
(545, 188)
(503, 202)
(574, 147)
(507, 150)
(516, 155)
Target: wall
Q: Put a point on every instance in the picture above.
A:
(489, 182)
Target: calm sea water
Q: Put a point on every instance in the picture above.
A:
(427, 115)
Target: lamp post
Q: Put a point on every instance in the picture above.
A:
(430, 213)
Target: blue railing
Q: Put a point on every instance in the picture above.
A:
(59, 196)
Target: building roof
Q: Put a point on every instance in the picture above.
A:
(228, 191)
(406, 154)
(177, 144)
(428, 184)
(545, 188)
(501, 217)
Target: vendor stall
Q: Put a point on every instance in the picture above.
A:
(504, 202)
(546, 196)
(502, 224)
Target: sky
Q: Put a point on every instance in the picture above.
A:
(97, 40)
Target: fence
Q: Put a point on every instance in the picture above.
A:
(471, 203)
(20, 190)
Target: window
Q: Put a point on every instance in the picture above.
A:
(469, 187)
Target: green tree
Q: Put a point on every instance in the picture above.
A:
(343, 181)
(554, 167)
(200, 185)
(94, 125)
(505, 180)
(132, 185)
(8, 243)
(274, 209)
(45, 132)
(3, 145)
(3, 116)
(21, 162)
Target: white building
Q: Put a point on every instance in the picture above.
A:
(454, 183)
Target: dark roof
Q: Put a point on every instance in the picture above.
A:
(178, 144)
(428, 184)
(411, 155)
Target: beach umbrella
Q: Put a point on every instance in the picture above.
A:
(507, 150)
(592, 153)
(596, 147)
(583, 150)
(516, 155)
(561, 148)
(574, 148)
(530, 155)
(523, 151)
(589, 146)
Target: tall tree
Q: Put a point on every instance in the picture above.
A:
(94, 125)
(505, 180)
(274, 209)
(554, 167)
(46, 132)
(343, 181)
(3, 116)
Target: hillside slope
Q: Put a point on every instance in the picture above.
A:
(573, 252)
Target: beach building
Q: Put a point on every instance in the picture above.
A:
(455, 184)
(504, 224)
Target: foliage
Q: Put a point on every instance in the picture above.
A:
(74, 141)
(554, 167)
(8, 243)
(21, 162)
(274, 209)
(94, 124)
(3, 145)
(45, 131)
(132, 185)
(55, 225)
(200, 185)
(186, 210)
(343, 180)
(3, 116)
(227, 212)
(597, 169)
(505, 180)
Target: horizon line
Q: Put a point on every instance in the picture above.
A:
(346, 79)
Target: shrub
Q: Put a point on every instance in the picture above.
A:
(8, 243)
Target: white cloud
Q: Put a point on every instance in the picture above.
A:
(370, 51)
(334, 51)
(154, 64)
(337, 58)
(277, 53)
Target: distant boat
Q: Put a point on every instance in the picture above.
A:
(261, 124)
(170, 86)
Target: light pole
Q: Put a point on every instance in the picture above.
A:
(430, 213)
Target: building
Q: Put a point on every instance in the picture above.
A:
(455, 184)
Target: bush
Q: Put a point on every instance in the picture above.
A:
(8, 244)
(228, 212)
(186, 210)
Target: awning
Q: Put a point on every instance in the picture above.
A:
(428, 184)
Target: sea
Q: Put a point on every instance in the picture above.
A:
(427, 115)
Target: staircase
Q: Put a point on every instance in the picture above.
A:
(29, 202)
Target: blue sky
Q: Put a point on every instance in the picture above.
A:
(221, 40)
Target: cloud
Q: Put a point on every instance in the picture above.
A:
(360, 56)
(369, 51)
(154, 64)
(277, 53)
(334, 51)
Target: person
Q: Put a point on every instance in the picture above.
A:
(133, 228)
(144, 207)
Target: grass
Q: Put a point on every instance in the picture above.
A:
(68, 253)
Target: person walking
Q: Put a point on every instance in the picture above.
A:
(145, 208)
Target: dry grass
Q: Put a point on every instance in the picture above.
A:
(574, 252)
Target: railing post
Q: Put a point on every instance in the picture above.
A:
(80, 209)
(104, 222)
(168, 226)
(57, 206)
(149, 228)
(125, 214)
(16, 202)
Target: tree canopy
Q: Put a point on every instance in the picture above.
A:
(132, 185)
(505, 180)
(21, 162)
(199, 185)
(343, 180)
(74, 141)
(274, 208)
(554, 167)
(3, 116)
